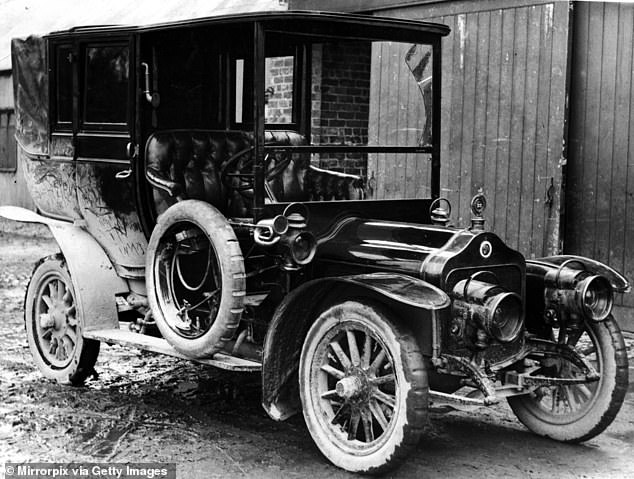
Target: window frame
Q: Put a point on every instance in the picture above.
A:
(93, 126)
(247, 83)
(56, 124)
(296, 98)
(249, 89)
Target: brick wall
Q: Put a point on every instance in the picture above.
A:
(279, 90)
(340, 102)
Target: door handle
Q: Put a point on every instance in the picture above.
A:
(131, 150)
(122, 175)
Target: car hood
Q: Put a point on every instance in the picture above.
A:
(384, 245)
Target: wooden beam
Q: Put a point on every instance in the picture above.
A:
(441, 7)
(348, 5)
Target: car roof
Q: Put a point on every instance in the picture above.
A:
(282, 20)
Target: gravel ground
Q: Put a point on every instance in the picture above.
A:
(146, 407)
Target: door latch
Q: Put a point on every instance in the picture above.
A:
(122, 175)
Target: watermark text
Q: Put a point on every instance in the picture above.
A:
(41, 470)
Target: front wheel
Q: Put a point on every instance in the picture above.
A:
(363, 386)
(578, 412)
(54, 325)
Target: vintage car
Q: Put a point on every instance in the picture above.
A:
(261, 192)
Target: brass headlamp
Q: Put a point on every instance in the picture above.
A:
(578, 291)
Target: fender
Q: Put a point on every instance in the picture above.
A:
(95, 280)
(410, 298)
(539, 267)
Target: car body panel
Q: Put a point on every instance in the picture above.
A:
(95, 280)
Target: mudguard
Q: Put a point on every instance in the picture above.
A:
(95, 280)
(540, 266)
(300, 308)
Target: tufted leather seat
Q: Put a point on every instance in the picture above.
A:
(184, 164)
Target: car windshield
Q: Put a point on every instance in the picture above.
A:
(363, 94)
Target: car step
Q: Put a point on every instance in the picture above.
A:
(439, 401)
(161, 346)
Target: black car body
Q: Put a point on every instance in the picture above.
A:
(220, 180)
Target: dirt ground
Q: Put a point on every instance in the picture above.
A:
(145, 407)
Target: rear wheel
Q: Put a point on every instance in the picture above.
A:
(54, 326)
(578, 412)
(363, 386)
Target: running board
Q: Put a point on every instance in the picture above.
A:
(161, 346)
(440, 400)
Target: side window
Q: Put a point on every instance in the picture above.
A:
(278, 91)
(64, 87)
(239, 89)
(106, 76)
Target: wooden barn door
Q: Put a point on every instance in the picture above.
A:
(600, 176)
(503, 111)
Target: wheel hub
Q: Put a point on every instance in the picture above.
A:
(56, 318)
(47, 321)
(349, 387)
(355, 387)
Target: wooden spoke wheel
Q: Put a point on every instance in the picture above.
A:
(54, 327)
(363, 387)
(578, 412)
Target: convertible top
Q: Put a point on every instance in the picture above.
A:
(30, 90)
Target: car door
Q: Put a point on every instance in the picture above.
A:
(105, 149)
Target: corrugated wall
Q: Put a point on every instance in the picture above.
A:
(504, 97)
(600, 189)
(13, 189)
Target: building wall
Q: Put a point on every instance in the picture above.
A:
(340, 99)
(13, 190)
(505, 119)
(6, 90)
(7, 125)
(8, 154)
(503, 113)
(600, 173)
(340, 102)
(279, 84)
(399, 116)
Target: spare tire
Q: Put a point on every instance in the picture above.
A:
(195, 278)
